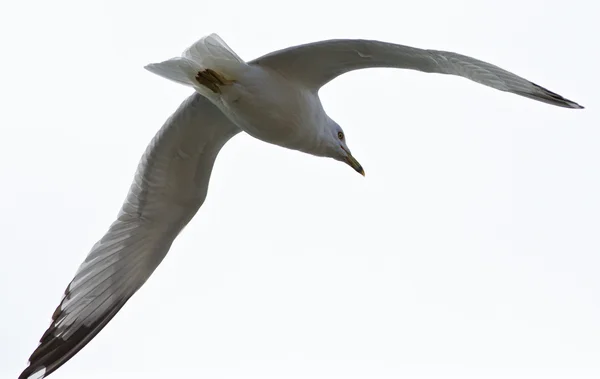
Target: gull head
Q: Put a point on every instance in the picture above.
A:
(336, 147)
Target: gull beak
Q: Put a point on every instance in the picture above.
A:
(354, 164)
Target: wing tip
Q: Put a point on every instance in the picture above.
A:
(574, 105)
(54, 351)
(556, 99)
(571, 104)
(33, 372)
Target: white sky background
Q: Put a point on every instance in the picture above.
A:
(470, 250)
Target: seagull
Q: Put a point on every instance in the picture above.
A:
(273, 98)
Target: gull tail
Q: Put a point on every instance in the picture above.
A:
(180, 70)
(207, 66)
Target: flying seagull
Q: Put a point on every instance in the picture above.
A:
(273, 98)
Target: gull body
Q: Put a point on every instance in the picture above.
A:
(273, 98)
(273, 109)
(260, 99)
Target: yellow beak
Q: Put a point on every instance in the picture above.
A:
(352, 162)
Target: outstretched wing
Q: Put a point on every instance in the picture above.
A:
(315, 64)
(169, 187)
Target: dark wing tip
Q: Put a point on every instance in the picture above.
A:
(553, 98)
(54, 351)
(37, 372)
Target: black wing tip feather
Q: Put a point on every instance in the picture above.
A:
(553, 98)
(33, 372)
(53, 351)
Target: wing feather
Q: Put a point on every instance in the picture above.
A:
(315, 64)
(168, 188)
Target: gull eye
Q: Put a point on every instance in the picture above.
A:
(341, 135)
